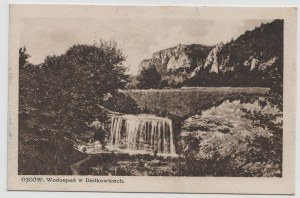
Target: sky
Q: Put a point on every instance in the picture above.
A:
(138, 38)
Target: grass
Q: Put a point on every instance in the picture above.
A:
(187, 101)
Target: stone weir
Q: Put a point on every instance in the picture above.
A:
(141, 134)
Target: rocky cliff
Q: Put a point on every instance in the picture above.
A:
(181, 56)
(211, 61)
(255, 58)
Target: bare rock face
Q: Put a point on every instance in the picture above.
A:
(269, 63)
(181, 56)
(254, 64)
(215, 65)
(211, 61)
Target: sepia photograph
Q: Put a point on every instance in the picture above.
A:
(158, 92)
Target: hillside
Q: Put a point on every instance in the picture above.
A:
(255, 58)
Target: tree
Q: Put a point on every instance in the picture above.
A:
(23, 57)
(25, 87)
(148, 78)
(69, 87)
(58, 101)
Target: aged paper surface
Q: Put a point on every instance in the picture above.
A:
(152, 99)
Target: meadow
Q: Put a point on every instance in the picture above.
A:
(187, 101)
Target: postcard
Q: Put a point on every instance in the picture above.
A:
(177, 99)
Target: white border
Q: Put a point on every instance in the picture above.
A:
(4, 80)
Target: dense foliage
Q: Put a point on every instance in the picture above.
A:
(59, 98)
(262, 44)
(244, 138)
(148, 78)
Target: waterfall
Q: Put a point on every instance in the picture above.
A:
(142, 133)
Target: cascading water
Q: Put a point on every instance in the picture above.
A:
(142, 133)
